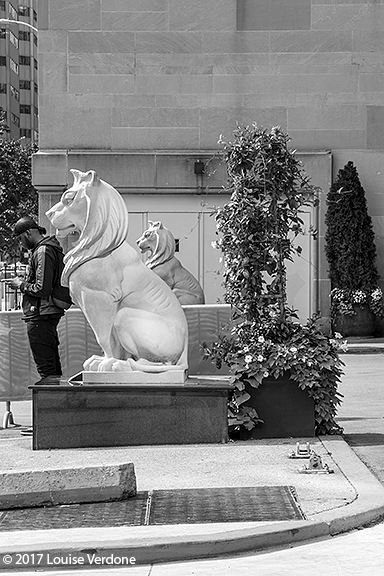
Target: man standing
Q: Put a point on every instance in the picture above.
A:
(44, 298)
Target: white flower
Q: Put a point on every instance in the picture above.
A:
(246, 348)
(261, 339)
(293, 349)
(377, 294)
(248, 358)
(338, 335)
(260, 358)
(213, 244)
(266, 374)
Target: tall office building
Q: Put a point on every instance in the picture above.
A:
(18, 67)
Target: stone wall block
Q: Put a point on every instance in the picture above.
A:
(52, 41)
(101, 42)
(119, 170)
(371, 82)
(101, 83)
(169, 42)
(375, 127)
(202, 15)
(273, 15)
(134, 5)
(327, 118)
(362, 16)
(67, 127)
(75, 14)
(328, 139)
(235, 42)
(217, 121)
(155, 117)
(48, 168)
(155, 138)
(53, 73)
(101, 64)
(134, 21)
(174, 84)
(311, 41)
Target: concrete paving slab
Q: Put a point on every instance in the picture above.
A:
(50, 487)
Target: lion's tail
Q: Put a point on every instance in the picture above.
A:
(154, 367)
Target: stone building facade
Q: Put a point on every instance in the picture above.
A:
(141, 90)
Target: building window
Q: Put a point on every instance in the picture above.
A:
(25, 84)
(15, 120)
(35, 39)
(35, 15)
(13, 39)
(25, 132)
(12, 12)
(13, 66)
(3, 88)
(2, 4)
(35, 111)
(25, 109)
(35, 87)
(25, 60)
(3, 60)
(24, 11)
(3, 33)
(15, 93)
(35, 63)
(23, 35)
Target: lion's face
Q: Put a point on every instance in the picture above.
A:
(70, 214)
(159, 241)
(148, 241)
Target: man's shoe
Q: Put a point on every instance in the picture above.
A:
(48, 381)
(27, 432)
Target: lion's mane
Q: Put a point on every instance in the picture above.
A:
(106, 227)
(165, 245)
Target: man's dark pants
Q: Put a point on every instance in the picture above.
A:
(44, 344)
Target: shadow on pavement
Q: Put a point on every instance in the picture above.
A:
(365, 439)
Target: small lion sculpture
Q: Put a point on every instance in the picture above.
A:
(137, 319)
(159, 241)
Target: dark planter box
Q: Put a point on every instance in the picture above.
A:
(360, 324)
(287, 410)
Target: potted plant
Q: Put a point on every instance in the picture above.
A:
(264, 343)
(356, 298)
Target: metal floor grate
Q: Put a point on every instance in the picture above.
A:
(160, 507)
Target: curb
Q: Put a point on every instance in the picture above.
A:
(26, 489)
(367, 507)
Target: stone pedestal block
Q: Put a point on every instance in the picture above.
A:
(129, 415)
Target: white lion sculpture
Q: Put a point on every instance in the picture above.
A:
(137, 319)
(159, 241)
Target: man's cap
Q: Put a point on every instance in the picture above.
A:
(23, 225)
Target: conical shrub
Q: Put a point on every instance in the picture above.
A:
(350, 245)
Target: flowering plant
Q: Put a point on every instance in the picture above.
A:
(254, 352)
(256, 231)
(344, 300)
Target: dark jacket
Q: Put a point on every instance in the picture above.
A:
(43, 280)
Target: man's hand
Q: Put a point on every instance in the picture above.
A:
(14, 283)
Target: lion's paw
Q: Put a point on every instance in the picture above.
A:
(106, 365)
(92, 364)
(121, 366)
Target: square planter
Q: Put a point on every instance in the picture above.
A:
(287, 411)
(362, 323)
